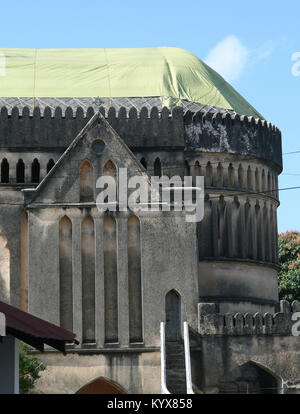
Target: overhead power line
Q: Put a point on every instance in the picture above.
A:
(258, 192)
(292, 152)
(174, 188)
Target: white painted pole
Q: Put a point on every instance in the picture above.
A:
(188, 373)
(164, 389)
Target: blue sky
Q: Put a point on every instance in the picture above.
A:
(258, 39)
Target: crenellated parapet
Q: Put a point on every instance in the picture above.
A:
(233, 133)
(203, 131)
(212, 323)
(55, 127)
(148, 128)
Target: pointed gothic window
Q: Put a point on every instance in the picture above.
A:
(86, 182)
(157, 168)
(144, 163)
(50, 165)
(4, 171)
(20, 171)
(35, 171)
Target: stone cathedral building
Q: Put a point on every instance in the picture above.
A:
(68, 117)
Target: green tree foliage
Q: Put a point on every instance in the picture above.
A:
(30, 368)
(289, 261)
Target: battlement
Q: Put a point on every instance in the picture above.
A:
(57, 127)
(211, 323)
(224, 132)
(204, 131)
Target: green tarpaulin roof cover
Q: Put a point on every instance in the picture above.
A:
(169, 73)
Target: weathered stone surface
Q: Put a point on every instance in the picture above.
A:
(240, 159)
(295, 306)
(239, 324)
(207, 308)
(268, 324)
(258, 324)
(285, 306)
(248, 328)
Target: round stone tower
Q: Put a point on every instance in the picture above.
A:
(240, 158)
(113, 277)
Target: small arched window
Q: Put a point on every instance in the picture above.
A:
(187, 170)
(219, 175)
(110, 169)
(269, 182)
(208, 174)
(20, 171)
(196, 172)
(144, 163)
(257, 186)
(4, 171)
(241, 176)
(263, 181)
(230, 175)
(35, 171)
(50, 165)
(197, 169)
(249, 179)
(157, 168)
(86, 174)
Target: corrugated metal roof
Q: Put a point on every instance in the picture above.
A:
(33, 330)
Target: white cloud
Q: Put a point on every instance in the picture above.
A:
(229, 58)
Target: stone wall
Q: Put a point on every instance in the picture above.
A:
(231, 343)
(216, 132)
(135, 371)
(57, 129)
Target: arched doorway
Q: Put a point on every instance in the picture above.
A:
(101, 386)
(251, 378)
(173, 316)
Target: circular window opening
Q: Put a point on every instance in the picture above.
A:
(98, 147)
